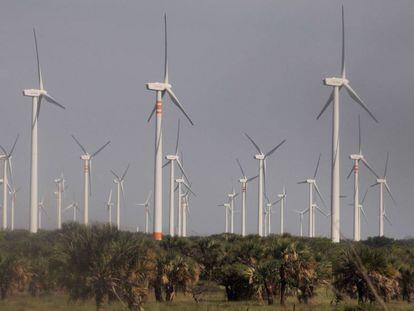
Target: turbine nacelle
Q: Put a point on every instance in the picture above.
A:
(356, 156)
(335, 81)
(179, 180)
(34, 92)
(259, 156)
(311, 181)
(86, 156)
(171, 157)
(381, 181)
(243, 180)
(158, 86)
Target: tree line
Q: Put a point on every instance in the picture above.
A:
(102, 263)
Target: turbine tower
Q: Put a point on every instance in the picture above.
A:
(60, 184)
(119, 181)
(171, 159)
(160, 88)
(87, 158)
(41, 209)
(109, 205)
(312, 206)
(268, 213)
(147, 211)
(244, 181)
(6, 157)
(231, 197)
(357, 208)
(337, 84)
(180, 182)
(282, 200)
(262, 157)
(226, 216)
(37, 95)
(382, 183)
(13, 193)
(301, 213)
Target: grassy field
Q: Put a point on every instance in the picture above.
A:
(211, 302)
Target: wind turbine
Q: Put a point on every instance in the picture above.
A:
(231, 197)
(13, 193)
(161, 88)
(262, 175)
(360, 211)
(382, 182)
(60, 184)
(301, 213)
(87, 158)
(171, 159)
(119, 181)
(41, 208)
(268, 213)
(356, 158)
(312, 206)
(147, 210)
(109, 205)
(337, 84)
(180, 182)
(6, 157)
(75, 207)
(226, 215)
(244, 181)
(37, 95)
(282, 200)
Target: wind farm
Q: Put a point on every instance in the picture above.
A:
(260, 100)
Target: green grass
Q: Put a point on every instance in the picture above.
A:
(213, 301)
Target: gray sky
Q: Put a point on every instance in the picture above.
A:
(254, 66)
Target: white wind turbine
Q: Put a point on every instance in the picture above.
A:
(180, 182)
(41, 209)
(267, 217)
(262, 175)
(282, 200)
(161, 88)
(301, 213)
(171, 159)
(37, 95)
(244, 181)
(147, 211)
(74, 205)
(109, 205)
(232, 197)
(6, 157)
(186, 211)
(337, 84)
(60, 184)
(312, 206)
(119, 181)
(357, 208)
(382, 182)
(87, 158)
(13, 193)
(360, 211)
(226, 215)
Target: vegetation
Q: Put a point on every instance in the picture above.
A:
(123, 270)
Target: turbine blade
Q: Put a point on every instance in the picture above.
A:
(330, 99)
(252, 178)
(369, 167)
(241, 168)
(3, 150)
(177, 103)
(343, 45)
(148, 197)
(189, 189)
(386, 164)
(116, 176)
(182, 169)
(275, 148)
(39, 71)
(359, 134)
(363, 214)
(100, 149)
(317, 166)
(166, 163)
(151, 114)
(165, 50)
(178, 138)
(254, 144)
(79, 144)
(51, 100)
(110, 197)
(387, 219)
(320, 196)
(14, 145)
(365, 195)
(320, 210)
(125, 172)
(357, 99)
(389, 192)
(302, 182)
(350, 172)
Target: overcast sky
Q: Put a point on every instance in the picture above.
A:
(237, 66)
